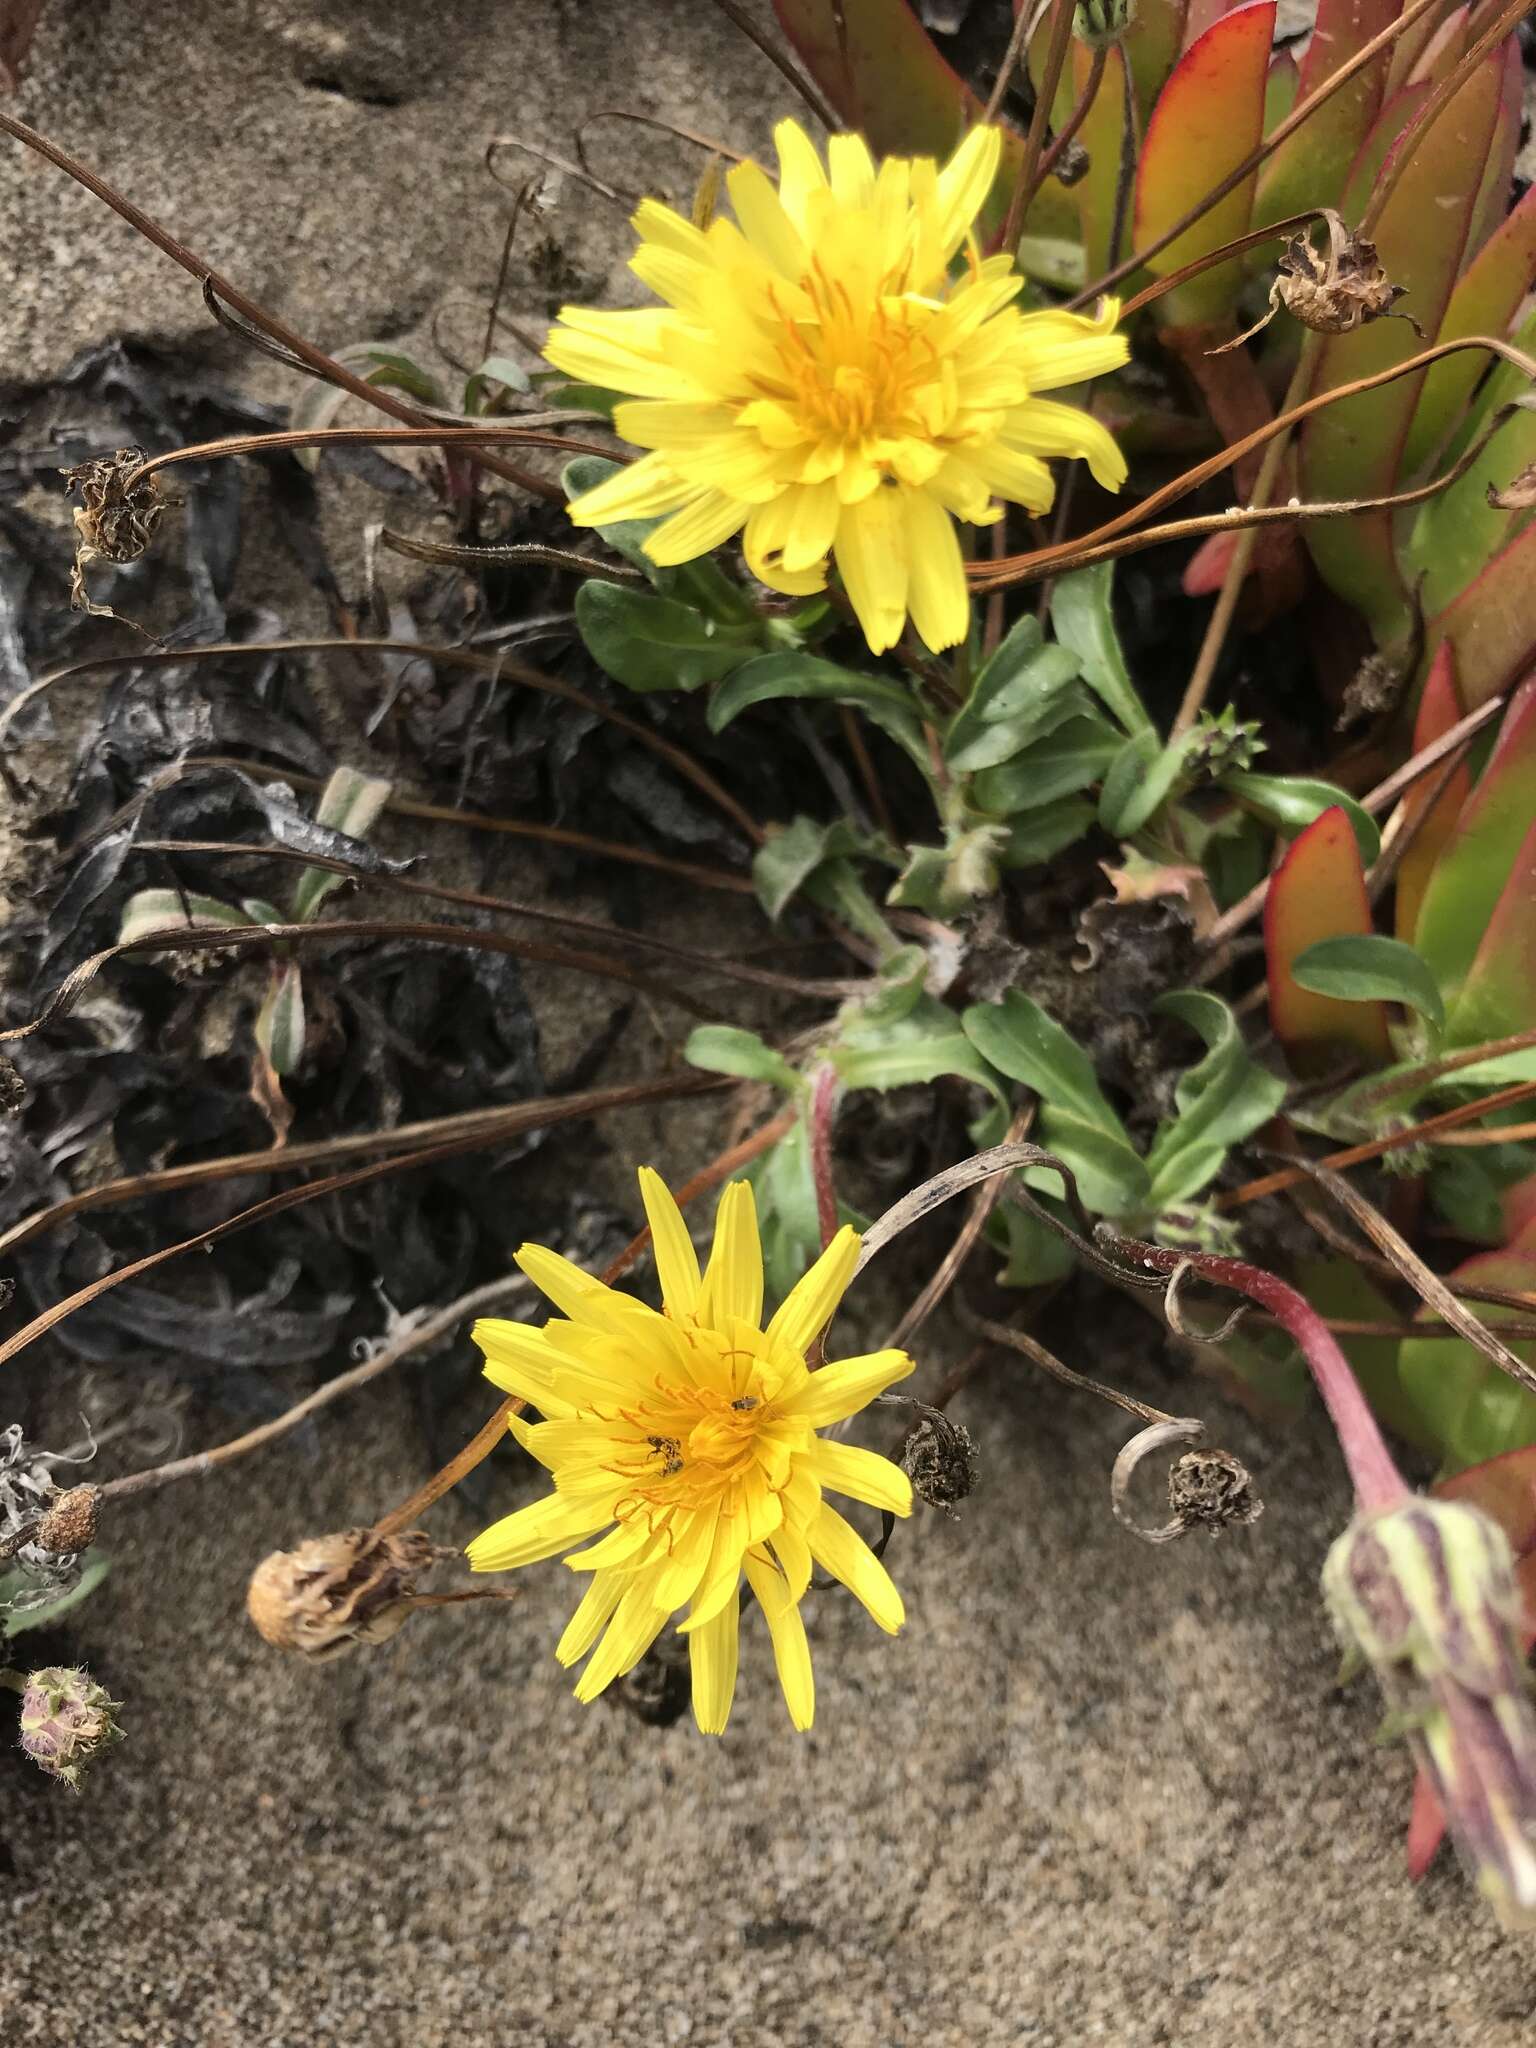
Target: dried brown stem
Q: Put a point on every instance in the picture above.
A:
(314, 359)
(1028, 181)
(808, 90)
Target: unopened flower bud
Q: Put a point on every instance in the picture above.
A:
(69, 1525)
(354, 1586)
(939, 1457)
(1099, 24)
(67, 1720)
(1426, 1593)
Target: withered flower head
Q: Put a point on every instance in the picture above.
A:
(67, 1720)
(939, 1457)
(116, 518)
(1518, 495)
(1212, 1490)
(69, 1525)
(1425, 1592)
(354, 1586)
(1333, 292)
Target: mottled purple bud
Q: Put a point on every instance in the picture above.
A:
(1426, 1593)
(67, 1720)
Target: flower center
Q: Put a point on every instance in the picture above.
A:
(852, 373)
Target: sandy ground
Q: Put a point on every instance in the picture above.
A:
(1095, 1793)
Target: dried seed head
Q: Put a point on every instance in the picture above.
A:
(1373, 691)
(1426, 1594)
(67, 1720)
(1212, 1490)
(69, 1524)
(939, 1457)
(354, 1586)
(116, 518)
(1338, 292)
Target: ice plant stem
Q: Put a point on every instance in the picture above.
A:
(493, 1432)
(1377, 1481)
(1050, 77)
(1076, 118)
(823, 1115)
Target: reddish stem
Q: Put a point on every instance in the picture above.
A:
(1377, 1481)
(823, 1110)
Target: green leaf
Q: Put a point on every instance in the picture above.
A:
(1022, 1041)
(1065, 761)
(1292, 802)
(897, 1052)
(280, 1025)
(1111, 1176)
(158, 910)
(771, 676)
(655, 643)
(1041, 835)
(788, 1220)
(1140, 780)
(727, 1049)
(502, 370)
(1012, 698)
(1220, 1101)
(350, 803)
(1468, 1407)
(1084, 622)
(584, 398)
(789, 857)
(1370, 969)
(94, 1568)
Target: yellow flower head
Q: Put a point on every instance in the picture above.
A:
(819, 378)
(689, 1436)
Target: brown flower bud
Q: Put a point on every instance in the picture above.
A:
(354, 1586)
(1073, 165)
(69, 1523)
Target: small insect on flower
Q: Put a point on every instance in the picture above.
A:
(689, 1436)
(819, 378)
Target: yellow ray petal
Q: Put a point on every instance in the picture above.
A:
(636, 1624)
(709, 520)
(851, 170)
(593, 1613)
(800, 172)
(794, 1555)
(964, 184)
(721, 1580)
(712, 1650)
(1054, 348)
(936, 588)
(534, 1532)
(764, 220)
(846, 1387)
(791, 1651)
(842, 1551)
(576, 1294)
(862, 1475)
(872, 559)
(654, 222)
(807, 1308)
(677, 1263)
(1051, 429)
(643, 490)
(733, 1280)
(683, 1572)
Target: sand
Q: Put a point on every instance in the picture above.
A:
(1096, 1792)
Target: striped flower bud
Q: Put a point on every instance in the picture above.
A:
(1425, 1593)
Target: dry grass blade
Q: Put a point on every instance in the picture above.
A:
(808, 90)
(1036, 1353)
(336, 1183)
(830, 990)
(212, 938)
(1426, 1283)
(500, 667)
(952, 1264)
(954, 1180)
(479, 555)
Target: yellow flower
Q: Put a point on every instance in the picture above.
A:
(689, 1436)
(818, 378)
